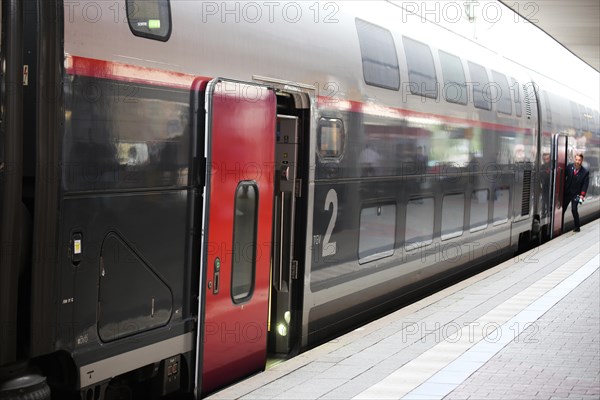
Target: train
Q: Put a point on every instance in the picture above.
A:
(189, 189)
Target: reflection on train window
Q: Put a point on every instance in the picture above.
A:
(575, 116)
(584, 119)
(331, 138)
(501, 203)
(377, 232)
(150, 18)
(244, 241)
(419, 223)
(516, 89)
(502, 95)
(379, 58)
(481, 85)
(421, 71)
(479, 209)
(455, 86)
(589, 116)
(453, 214)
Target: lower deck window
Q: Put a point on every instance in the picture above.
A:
(479, 209)
(419, 222)
(377, 232)
(453, 213)
(501, 203)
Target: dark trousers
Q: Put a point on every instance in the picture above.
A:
(574, 205)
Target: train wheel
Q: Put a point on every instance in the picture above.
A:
(25, 387)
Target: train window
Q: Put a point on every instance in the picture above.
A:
(576, 121)
(150, 18)
(589, 115)
(421, 71)
(455, 86)
(501, 203)
(453, 213)
(243, 256)
(379, 58)
(479, 209)
(331, 138)
(419, 223)
(481, 85)
(516, 89)
(377, 232)
(584, 120)
(502, 97)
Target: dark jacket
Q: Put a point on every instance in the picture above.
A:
(576, 184)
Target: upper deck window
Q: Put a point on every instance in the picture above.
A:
(379, 58)
(481, 86)
(421, 71)
(455, 86)
(516, 88)
(502, 98)
(150, 18)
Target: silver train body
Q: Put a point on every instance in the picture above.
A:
(415, 155)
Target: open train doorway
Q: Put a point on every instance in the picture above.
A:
(292, 132)
(559, 160)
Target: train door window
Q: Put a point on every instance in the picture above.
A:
(481, 85)
(377, 232)
(331, 138)
(150, 18)
(419, 222)
(455, 86)
(516, 89)
(502, 95)
(421, 70)
(479, 209)
(379, 58)
(453, 214)
(244, 241)
(501, 203)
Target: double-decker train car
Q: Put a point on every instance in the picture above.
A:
(188, 188)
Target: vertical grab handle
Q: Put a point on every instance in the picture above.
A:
(217, 270)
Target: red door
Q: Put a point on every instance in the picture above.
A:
(237, 225)
(560, 157)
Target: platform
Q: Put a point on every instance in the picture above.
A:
(528, 328)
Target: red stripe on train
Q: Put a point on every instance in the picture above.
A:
(90, 67)
(325, 103)
(75, 65)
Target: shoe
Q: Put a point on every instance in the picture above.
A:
(576, 230)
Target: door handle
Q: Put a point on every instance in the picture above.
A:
(216, 280)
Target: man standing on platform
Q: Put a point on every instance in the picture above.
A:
(576, 184)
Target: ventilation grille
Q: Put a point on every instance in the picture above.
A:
(526, 197)
(526, 91)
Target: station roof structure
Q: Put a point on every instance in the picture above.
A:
(575, 24)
